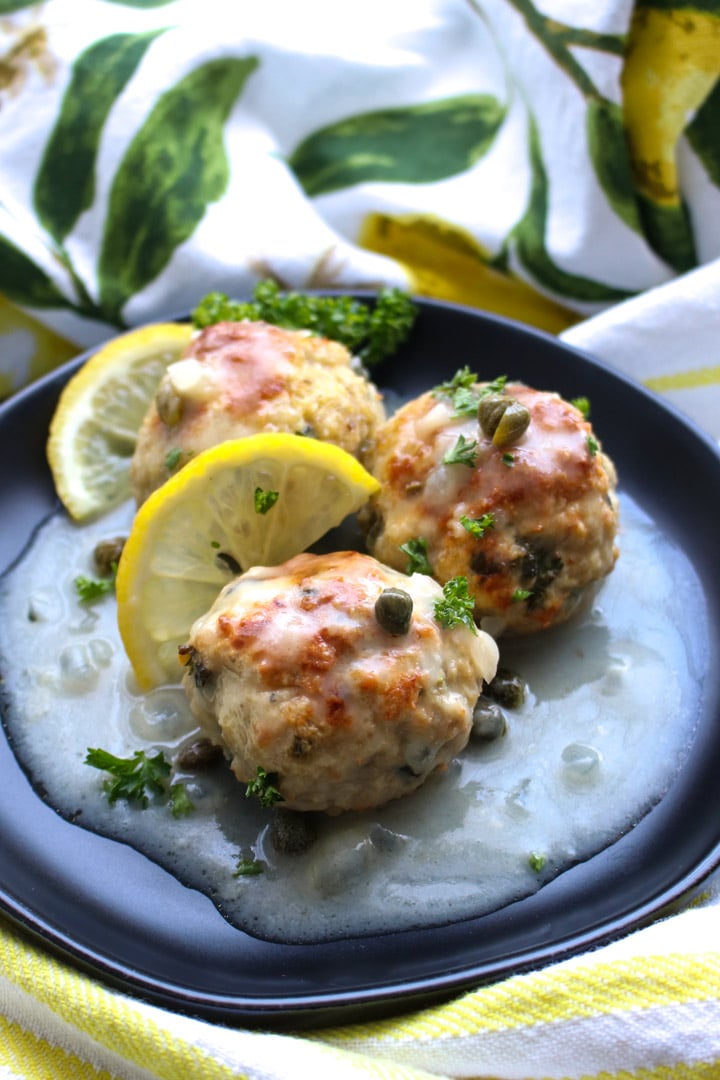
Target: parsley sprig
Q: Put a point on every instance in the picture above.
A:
(137, 778)
(457, 606)
(370, 332)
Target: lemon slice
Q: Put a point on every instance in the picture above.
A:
(212, 519)
(94, 428)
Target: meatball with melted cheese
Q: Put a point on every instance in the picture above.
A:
(294, 671)
(530, 522)
(240, 378)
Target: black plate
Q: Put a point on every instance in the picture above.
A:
(110, 910)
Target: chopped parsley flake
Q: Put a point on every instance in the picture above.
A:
(477, 527)
(463, 394)
(509, 460)
(135, 778)
(263, 788)
(265, 500)
(536, 861)
(416, 551)
(521, 594)
(172, 459)
(456, 606)
(138, 777)
(592, 445)
(464, 452)
(583, 405)
(91, 589)
(247, 867)
(179, 800)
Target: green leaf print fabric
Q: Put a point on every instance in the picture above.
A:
(547, 161)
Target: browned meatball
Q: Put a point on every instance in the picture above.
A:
(239, 378)
(294, 671)
(531, 524)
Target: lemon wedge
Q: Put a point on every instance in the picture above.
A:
(254, 501)
(95, 424)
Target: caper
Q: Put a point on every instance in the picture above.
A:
(199, 754)
(393, 610)
(106, 555)
(490, 412)
(488, 720)
(291, 831)
(507, 688)
(513, 423)
(169, 404)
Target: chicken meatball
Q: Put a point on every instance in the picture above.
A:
(333, 675)
(239, 378)
(503, 484)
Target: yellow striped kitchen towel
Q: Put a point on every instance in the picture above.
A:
(646, 1007)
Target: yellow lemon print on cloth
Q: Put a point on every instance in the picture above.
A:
(447, 263)
(672, 63)
(27, 349)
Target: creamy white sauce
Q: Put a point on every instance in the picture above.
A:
(613, 700)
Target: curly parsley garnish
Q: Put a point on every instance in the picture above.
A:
(456, 606)
(370, 331)
(477, 527)
(91, 589)
(416, 551)
(265, 500)
(464, 452)
(138, 777)
(263, 788)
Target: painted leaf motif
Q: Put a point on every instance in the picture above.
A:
(608, 148)
(65, 183)
(175, 166)
(668, 230)
(529, 235)
(24, 281)
(416, 145)
(142, 3)
(702, 134)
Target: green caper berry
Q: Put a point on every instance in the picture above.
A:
(514, 422)
(169, 404)
(507, 688)
(106, 555)
(488, 720)
(490, 412)
(393, 610)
